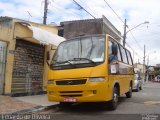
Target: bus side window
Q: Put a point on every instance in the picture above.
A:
(129, 57)
(112, 54)
(124, 56)
(118, 53)
(110, 48)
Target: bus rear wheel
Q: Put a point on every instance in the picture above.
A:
(129, 93)
(114, 102)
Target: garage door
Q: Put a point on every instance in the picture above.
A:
(28, 67)
(3, 47)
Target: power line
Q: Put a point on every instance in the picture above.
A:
(29, 15)
(83, 8)
(117, 16)
(58, 9)
(136, 40)
(73, 12)
(114, 11)
(67, 11)
(123, 22)
(132, 49)
(88, 7)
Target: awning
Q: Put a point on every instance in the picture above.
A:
(44, 36)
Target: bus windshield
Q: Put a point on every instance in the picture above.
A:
(79, 52)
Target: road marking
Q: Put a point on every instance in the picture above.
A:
(152, 102)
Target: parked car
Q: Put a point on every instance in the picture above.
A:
(137, 82)
(157, 78)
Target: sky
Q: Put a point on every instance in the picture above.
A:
(134, 11)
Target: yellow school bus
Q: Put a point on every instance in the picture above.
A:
(93, 68)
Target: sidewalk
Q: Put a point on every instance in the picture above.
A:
(10, 105)
(40, 100)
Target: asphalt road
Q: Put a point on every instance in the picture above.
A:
(144, 105)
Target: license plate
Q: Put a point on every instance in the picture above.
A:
(70, 99)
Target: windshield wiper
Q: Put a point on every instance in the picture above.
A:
(91, 61)
(67, 61)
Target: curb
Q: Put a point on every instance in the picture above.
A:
(34, 110)
(156, 81)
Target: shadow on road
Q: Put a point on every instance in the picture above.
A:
(89, 108)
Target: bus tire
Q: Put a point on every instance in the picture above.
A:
(114, 102)
(129, 93)
(140, 87)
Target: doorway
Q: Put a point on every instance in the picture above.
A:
(3, 48)
(28, 68)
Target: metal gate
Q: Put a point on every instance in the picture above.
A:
(28, 68)
(3, 48)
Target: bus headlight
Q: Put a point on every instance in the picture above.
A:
(100, 79)
(50, 81)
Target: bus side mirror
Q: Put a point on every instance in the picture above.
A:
(114, 49)
(48, 55)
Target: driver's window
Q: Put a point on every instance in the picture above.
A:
(118, 53)
(111, 55)
(110, 48)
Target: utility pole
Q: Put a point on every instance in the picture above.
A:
(148, 61)
(45, 11)
(125, 32)
(147, 76)
(124, 36)
(133, 55)
(144, 63)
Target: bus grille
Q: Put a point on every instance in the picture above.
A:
(78, 95)
(71, 93)
(71, 82)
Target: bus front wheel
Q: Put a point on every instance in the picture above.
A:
(114, 102)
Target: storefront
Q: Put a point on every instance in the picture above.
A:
(23, 48)
(28, 67)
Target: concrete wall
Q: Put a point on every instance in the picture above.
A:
(82, 27)
(76, 28)
(141, 67)
(6, 34)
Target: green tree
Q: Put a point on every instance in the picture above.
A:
(157, 72)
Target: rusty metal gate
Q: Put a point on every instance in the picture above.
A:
(28, 67)
(3, 48)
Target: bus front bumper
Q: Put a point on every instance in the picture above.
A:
(93, 92)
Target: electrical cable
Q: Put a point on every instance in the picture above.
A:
(66, 11)
(88, 7)
(83, 8)
(123, 22)
(114, 11)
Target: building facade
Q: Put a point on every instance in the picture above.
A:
(71, 29)
(23, 66)
(151, 74)
(142, 69)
